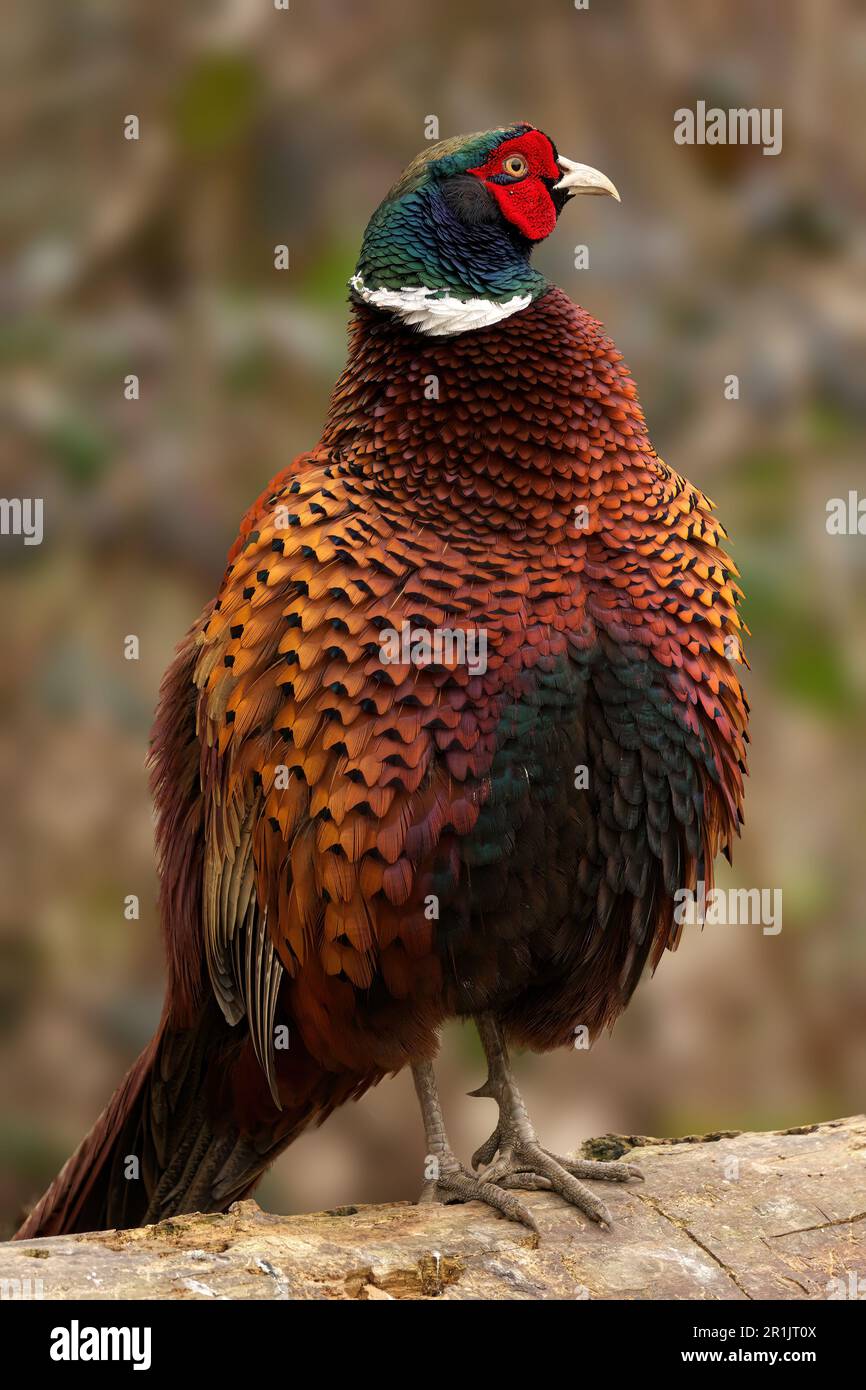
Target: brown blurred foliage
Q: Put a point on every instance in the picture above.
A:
(258, 127)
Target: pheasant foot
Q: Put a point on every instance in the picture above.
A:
(513, 1158)
(448, 1180)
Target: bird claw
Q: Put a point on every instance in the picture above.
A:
(525, 1164)
(455, 1184)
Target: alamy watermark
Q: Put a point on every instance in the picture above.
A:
(22, 516)
(437, 646)
(737, 126)
(14, 1290)
(732, 907)
(77, 1343)
(846, 516)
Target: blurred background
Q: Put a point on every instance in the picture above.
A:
(156, 256)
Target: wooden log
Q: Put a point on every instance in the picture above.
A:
(719, 1216)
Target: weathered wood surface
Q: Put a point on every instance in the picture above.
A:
(728, 1216)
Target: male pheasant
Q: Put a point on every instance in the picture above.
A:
(363, 832)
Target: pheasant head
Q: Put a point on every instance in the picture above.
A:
(449, 248)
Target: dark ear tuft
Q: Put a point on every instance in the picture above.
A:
(470, 200)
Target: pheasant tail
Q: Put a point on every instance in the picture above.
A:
(180, 1133)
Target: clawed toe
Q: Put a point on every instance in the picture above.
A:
(456, 1185)
(525, 1165)
(528, 1166)
(598, 1172)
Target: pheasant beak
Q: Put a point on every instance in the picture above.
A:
(582, 178)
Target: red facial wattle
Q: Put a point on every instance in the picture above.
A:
(525, 202)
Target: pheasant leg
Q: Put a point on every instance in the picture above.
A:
(513, 1157)
(446, 1178)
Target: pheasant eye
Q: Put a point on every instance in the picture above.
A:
(515, 166)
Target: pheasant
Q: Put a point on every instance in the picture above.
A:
(461, 720)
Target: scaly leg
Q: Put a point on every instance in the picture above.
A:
(452, 1182)
(522, 1162)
